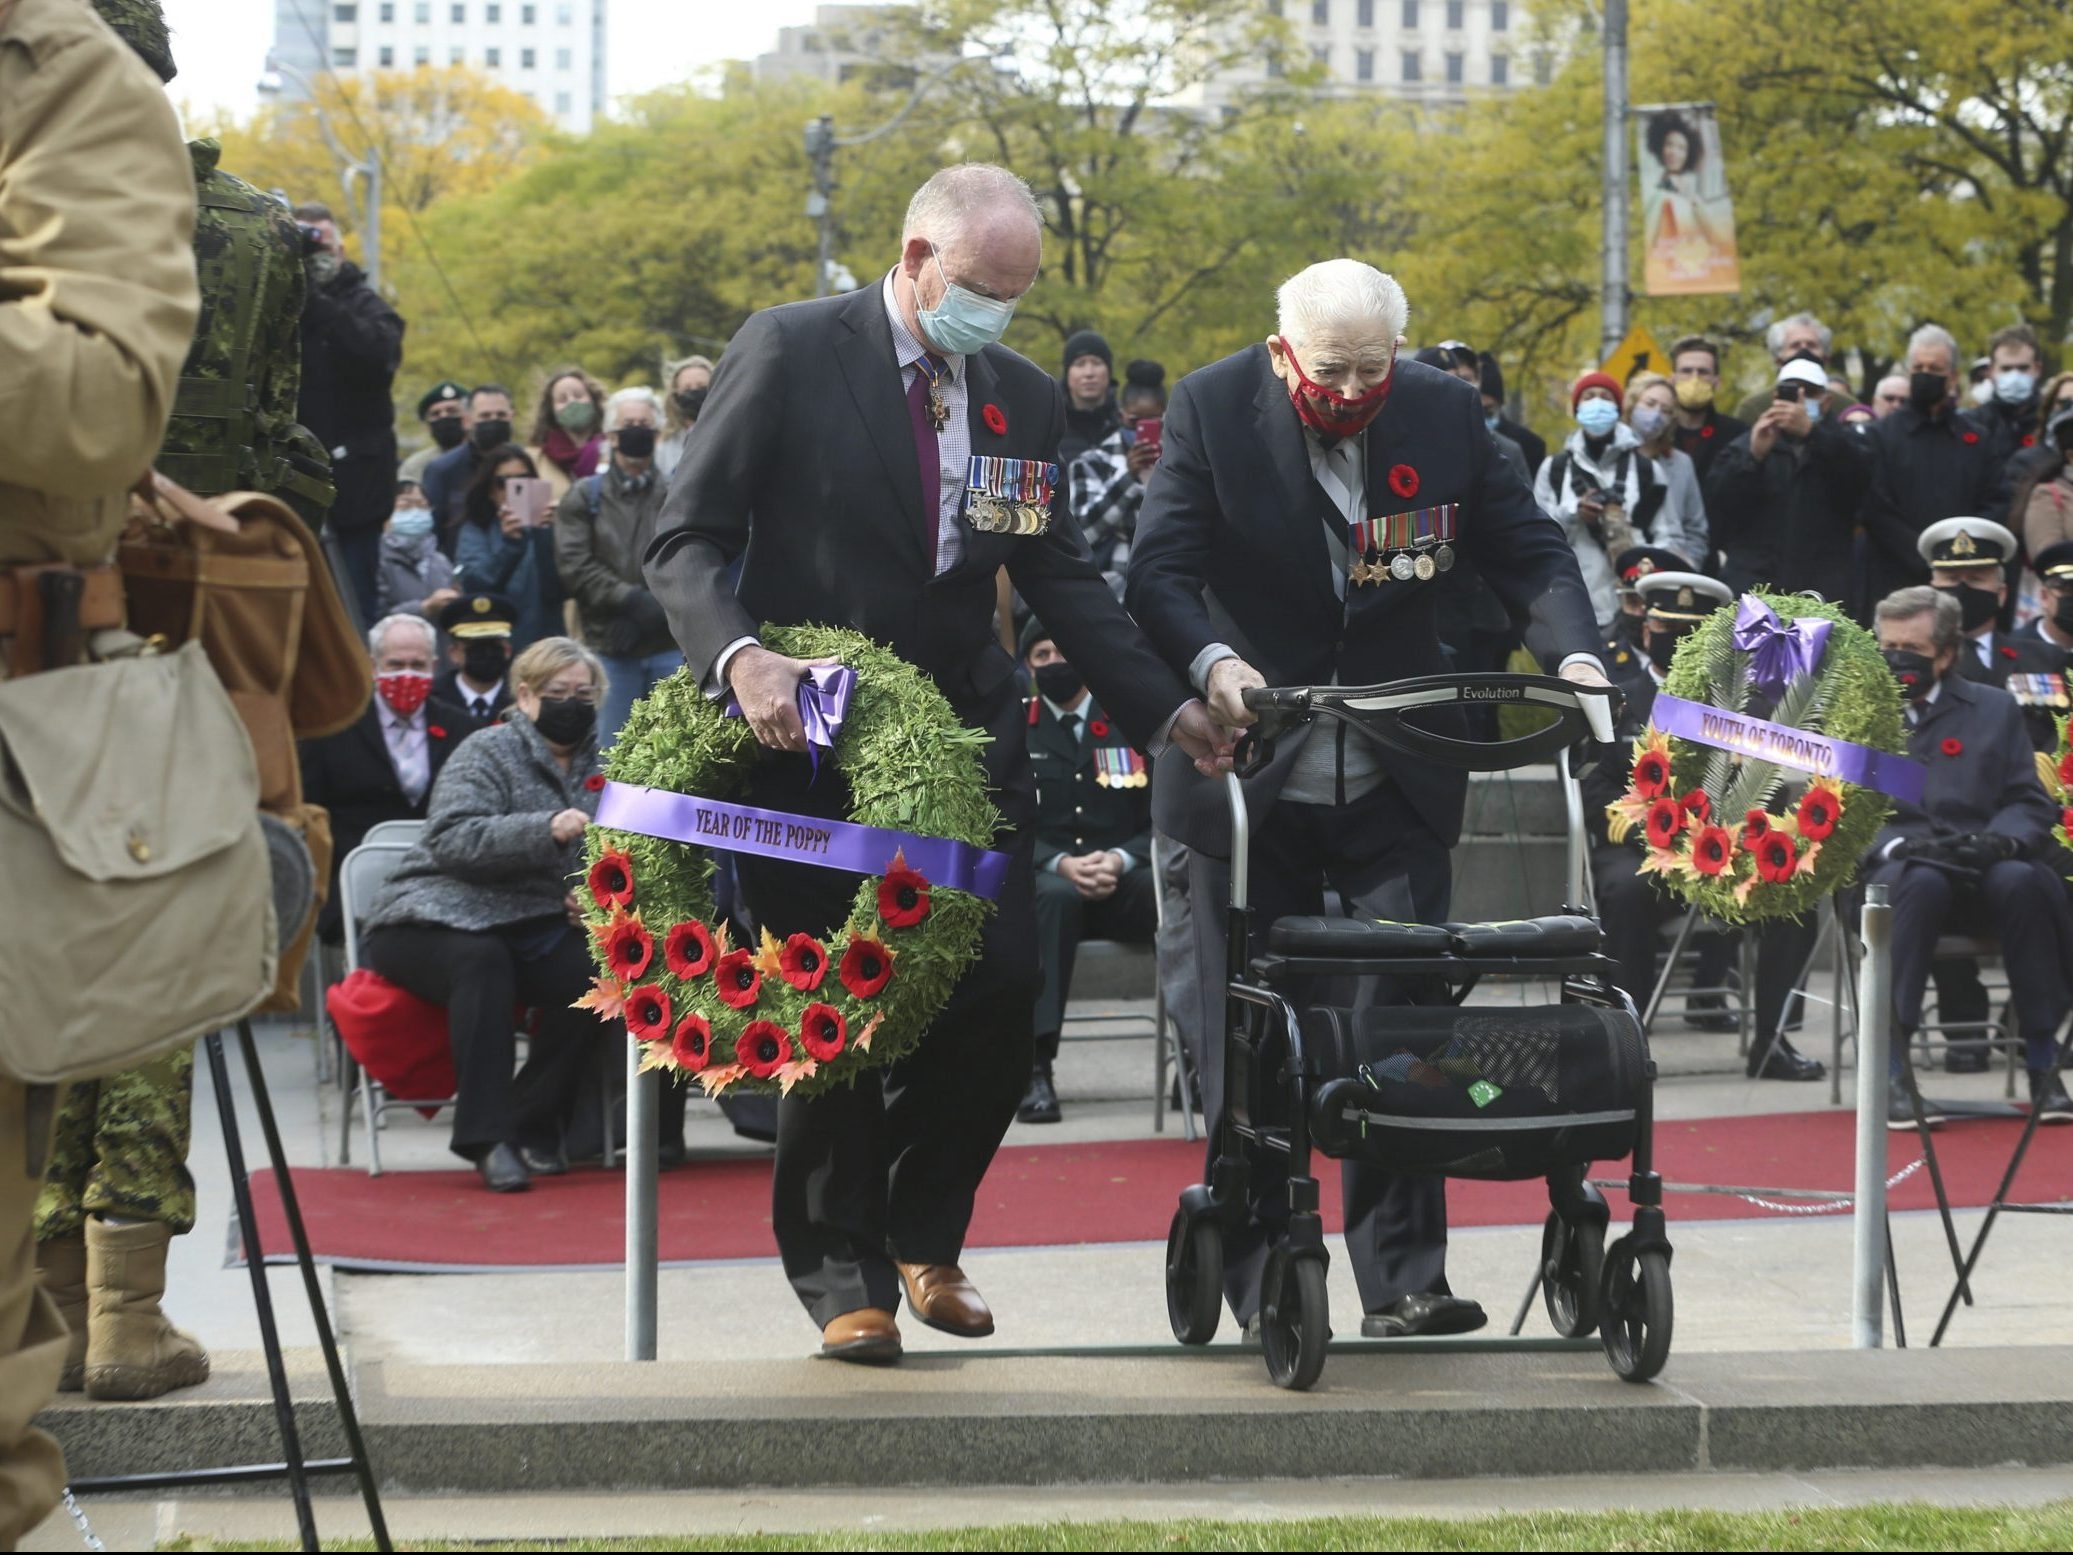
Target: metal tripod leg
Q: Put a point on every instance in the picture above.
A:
(1943, 1198)
(341, 1392)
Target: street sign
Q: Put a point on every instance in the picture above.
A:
(1638, 353)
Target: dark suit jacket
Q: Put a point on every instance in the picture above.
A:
(1076, 812)
(447, 687)
(805, 467)
(351, 775)
(1231, 548)
(1925, 469)
(1989, 783)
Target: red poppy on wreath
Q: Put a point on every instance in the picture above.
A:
(1952, 746)
(2066, 769)
(689, 949)
(1968, 437)
(763, 1048)
(903, 896)
(867, 967)
(803, 962)
(1818, 813)
(435, 731)
(1756, 826)
(996, 420)
(823, 1032)
(1099, 729)
(1651, 774)
(2066, 820)
(1696, 805)
(736, 980)
(2008, 652)
(611, 880)
(1665, 821)
(1776, 858)
(647, 1013)
(629, 947)
(1403, 480)
(595, 782)
(692, 1046)
(1712, 850)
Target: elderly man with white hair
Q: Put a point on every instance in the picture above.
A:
(605, 524)
(894, 457)
(1933, 460)
(1312, 490)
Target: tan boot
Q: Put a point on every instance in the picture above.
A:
(132, 1351)
(61, 1271)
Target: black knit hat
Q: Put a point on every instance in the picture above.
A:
(1085, 342)
(1493, 377)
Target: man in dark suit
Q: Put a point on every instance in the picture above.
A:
(383, 767)
(1292, 538)
(890, 458)
(1970, 854)
(478, 652)
(1094, 876)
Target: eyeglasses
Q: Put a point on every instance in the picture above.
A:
(559, 693)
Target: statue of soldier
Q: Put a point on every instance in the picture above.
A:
(117, 1190)
(96, 212)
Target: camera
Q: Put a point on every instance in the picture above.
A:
(313, 239)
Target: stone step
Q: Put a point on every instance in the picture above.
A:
(1434, 1410)
(1524, 802)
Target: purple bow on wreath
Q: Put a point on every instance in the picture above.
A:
(824, 693)
(1781, 653)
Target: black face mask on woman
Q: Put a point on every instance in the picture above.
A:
(566, 720)
(690, 402)
(1976, 607)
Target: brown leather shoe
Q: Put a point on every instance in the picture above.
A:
(941, 1296)
(867, 1337)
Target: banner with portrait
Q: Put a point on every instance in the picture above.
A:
(1687, 220)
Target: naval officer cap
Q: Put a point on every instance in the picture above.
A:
(1966, 542)
(478, 615)
(1681, 598)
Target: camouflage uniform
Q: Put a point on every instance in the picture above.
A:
(121, 1150)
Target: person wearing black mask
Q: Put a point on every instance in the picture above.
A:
(604, 527)
(444, 411)
(1632, 906)
(479, 917)
(688, 382)
(1968, 560)
(478, 650)
(1094, 876)
(447, 478)
(1968, 856)
(1930, 460)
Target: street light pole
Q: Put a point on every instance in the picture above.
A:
(367, 169)
(1612, 327)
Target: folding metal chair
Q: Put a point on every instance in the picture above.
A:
(1739, 995)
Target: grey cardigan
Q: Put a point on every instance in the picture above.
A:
(487, 858)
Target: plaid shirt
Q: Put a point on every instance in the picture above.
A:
(1105, 497)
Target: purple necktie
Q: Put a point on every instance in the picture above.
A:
(926, 449)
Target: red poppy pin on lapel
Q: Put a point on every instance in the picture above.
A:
(435, 731)
(1969, 437)
(1098, 729)
(1953, 747)
(2007, 652)
(995, 418)
(1706, 431)
(594, 782)
(1403, 480)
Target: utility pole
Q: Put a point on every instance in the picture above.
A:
(1613, 307)
(368, 169)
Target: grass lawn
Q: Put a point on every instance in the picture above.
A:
(1885, 1527)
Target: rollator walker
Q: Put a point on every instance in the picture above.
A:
(1492, 1092)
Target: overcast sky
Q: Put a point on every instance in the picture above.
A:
(222, 44)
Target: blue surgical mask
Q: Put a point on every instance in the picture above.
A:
(1647, 421)
(2015, 388)
(1597, 417)
(1490, 419)
(411, 521)
(963, 322)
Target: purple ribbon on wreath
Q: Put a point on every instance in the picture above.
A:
(1781, 653)
(824, 693)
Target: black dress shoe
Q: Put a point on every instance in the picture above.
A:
(1900, 1112)
(1427, 1313)
(1040, 1102)
(669, 1153)
(1709, 1012)
(1785, 1062)
(1965, 1058)
(544, 1163)
(2048, 1098)
(502, 1171)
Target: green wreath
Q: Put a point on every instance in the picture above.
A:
(797, 1014)
(1744, 839)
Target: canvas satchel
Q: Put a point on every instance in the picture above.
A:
(135, 905)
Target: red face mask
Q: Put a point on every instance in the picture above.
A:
(1327, 410)
(404, 690)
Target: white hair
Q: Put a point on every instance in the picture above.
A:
(941, 207)
(640, 394)
(1935, 335)
(389, 623)
(1335, 291)
(1774, 337)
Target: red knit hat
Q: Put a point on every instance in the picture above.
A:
(1596, 381)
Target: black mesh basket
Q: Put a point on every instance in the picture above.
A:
(1486, 1092)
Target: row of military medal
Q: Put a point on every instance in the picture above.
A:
(1118, 766)
(1401, 546)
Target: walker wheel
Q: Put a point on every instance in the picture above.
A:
(1572, 1265)
(1295, 1321)
(1635, 1311)
(1194, 1278)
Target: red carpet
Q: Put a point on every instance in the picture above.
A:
(1053, 1195)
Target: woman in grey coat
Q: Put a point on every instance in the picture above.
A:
(415, 576)
(482, 917)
